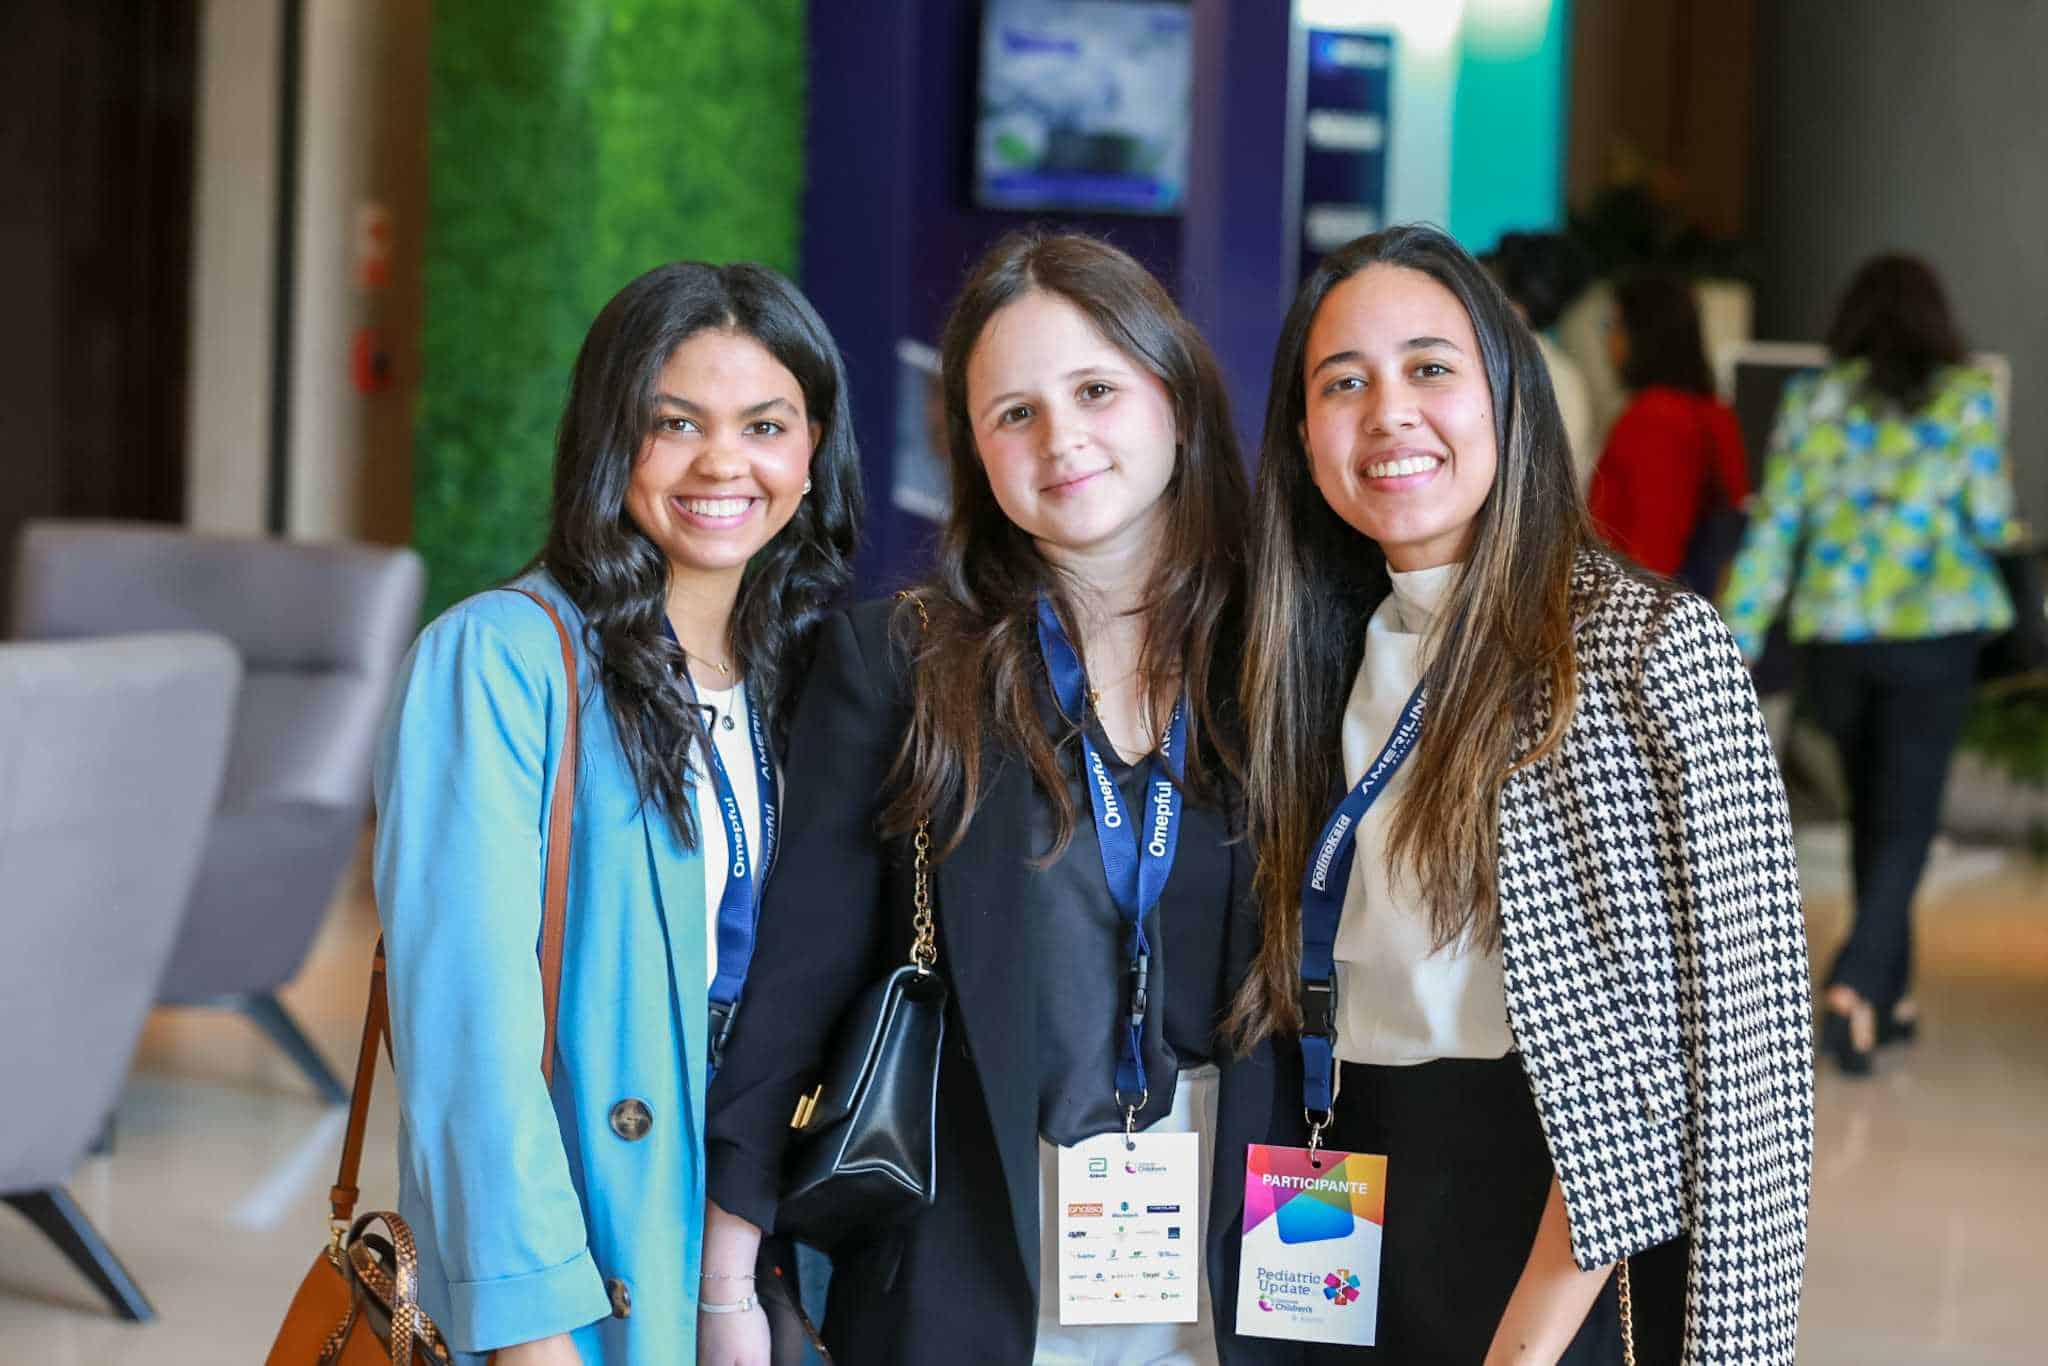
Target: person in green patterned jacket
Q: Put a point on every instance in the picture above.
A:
(1885, 494)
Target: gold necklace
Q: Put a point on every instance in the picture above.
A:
(724, 670)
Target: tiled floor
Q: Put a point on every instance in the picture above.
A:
(1928, 1223)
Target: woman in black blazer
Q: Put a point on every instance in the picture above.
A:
(1098, 500)
(1569, 965)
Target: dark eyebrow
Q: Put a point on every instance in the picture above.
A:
(1412, 344)
(766, 405)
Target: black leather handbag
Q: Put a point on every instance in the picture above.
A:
(866, 1154)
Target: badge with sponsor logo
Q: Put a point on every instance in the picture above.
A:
(1310, 1268)
(1130, 1229)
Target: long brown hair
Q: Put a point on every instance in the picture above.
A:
(1661, 320)
(1503, 645)
(976, 666)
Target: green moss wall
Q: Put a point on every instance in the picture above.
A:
(575, 144)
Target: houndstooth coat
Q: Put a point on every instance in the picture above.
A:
(1655, 959)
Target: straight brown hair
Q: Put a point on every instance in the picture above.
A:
(1502, 649)
(975, 666)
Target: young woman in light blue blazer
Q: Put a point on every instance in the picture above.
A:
(706, 505)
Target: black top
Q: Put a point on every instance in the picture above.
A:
(1080, 940)
(837, 916)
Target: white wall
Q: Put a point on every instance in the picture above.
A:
(362, 136)
(227, 427)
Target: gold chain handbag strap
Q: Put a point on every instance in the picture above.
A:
(924, 944)
(1628, 1319)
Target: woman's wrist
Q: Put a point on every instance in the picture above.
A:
(726, 1292)
(731, 1244)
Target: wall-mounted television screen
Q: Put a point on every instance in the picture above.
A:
(1084, 105)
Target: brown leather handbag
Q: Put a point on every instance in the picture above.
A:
(359, 1305)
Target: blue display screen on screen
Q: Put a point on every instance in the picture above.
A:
(1346, 106)
(1084, 105)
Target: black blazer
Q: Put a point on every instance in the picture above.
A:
(959, 1283)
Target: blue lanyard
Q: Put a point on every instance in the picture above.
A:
(739, 908)
(1135, 865)
(1323, 885)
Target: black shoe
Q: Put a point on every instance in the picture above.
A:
(1893, 1029)
(1838, 1039)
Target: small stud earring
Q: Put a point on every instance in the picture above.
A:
(807, 486)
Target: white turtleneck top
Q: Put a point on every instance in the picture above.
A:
(1399, 1001)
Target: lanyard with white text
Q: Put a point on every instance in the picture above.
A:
(1135, 866)
(740, 906)
(1323, 885)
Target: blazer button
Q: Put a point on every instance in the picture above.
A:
(631, 1121)
(622, 1298)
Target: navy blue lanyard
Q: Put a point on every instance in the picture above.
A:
(1135, 864)
(1323, 884)
(740, 907)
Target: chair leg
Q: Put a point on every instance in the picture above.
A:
(65, 1224)
(273, 1019)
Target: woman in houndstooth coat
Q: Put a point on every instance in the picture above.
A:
(1569, 972)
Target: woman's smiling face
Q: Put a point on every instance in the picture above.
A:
(1077, 439)
(724, 468)
(1398, 423)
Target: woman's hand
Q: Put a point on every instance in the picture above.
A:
(733, 1339)
(731, 1246)
(1551, 1299)
(555, 1351)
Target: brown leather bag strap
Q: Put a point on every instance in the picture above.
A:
(376, 1027)
(555, 905)
(554, 921)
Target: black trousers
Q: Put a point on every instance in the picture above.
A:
(1895, 710)
(1468, 1174)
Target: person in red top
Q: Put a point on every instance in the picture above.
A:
(1673, 468)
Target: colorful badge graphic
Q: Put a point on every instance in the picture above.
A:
(1310, 1268)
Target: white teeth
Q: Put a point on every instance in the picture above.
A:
(1410, 464)
(715, 507)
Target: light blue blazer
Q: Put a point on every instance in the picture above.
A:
(533, 1215)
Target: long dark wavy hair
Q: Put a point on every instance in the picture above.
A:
(977, 666)
(1895, 315)
(619, 578)
(1503, 645)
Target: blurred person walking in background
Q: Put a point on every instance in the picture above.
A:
(1672, 480)
(1543, 273)
(1885, 492)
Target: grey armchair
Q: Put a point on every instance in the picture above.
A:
(111, 755)
(321, 630)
